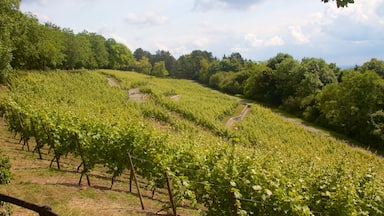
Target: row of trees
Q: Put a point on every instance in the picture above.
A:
(350, 101)
(27, 44)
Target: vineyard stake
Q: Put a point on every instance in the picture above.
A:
(130, 180)
(170, 193)
(37, 140)
(136, 181)
(235, 208)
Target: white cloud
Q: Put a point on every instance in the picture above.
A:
(35, 1)
(225, 4)
(255, 41)
(259, 28)
(274, 41)
(148, 18)
(298, 34)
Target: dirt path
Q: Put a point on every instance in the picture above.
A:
(175, 97)
(113, 82)
(243, 113)
(307, 127)
(133, 94)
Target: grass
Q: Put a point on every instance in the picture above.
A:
(34, 181)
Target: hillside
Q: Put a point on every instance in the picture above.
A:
(266, 164)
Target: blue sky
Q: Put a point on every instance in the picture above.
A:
(258, 29)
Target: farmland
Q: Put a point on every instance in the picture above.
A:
(262, 165)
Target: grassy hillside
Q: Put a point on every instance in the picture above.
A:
(260, 165)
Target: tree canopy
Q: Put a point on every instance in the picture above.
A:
(341, 3)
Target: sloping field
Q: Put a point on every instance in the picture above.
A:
(261, 165)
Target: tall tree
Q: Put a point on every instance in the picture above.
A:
(165, 56)
(25, 52)
(120, 57)
(373, 65)
(87, 57)
(99, 50)
(139, 53)
(50, 46)
(159, 69)
(261, 85)
(142, 66)
(9, 9)
(272, 62)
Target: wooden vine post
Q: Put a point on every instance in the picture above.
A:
(170, 193)
(85, 168)
(130, 180)
(235, 207)
(136, 181)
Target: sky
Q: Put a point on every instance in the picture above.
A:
(257, 29)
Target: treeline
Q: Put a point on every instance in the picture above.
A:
(349, 101)
(27, 44)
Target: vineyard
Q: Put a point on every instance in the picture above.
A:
(262, 165)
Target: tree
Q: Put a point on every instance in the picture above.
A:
(348, 106)
(50, 46)
(165, 56)
(87, 57)
(8, 10)
(159, 69)
(377, 122)
(142, 66)
(120, 57)
(216, 79)
(272, 62)
(71, 50)
(341, 3)
(233, 82)
(99, 50)
(140, 53)
(287, 76)
(373, 65)
(25, 53)
(189, 66)
(261, 85)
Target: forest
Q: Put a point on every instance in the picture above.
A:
(349, 101)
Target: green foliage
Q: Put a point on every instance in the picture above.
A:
(267, 165)
(189, 66)
(348, 105)
(8, 10)
(373, 65)
(27, 44)
(377, 122)
(260, 85)
(159, 69)
(120, 57)
(142, 66)
(5, 170)
(5, 178)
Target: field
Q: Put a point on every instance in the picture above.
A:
(262, 165)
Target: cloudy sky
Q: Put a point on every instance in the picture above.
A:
(258, 29)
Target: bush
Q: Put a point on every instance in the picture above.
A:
(5, 178)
